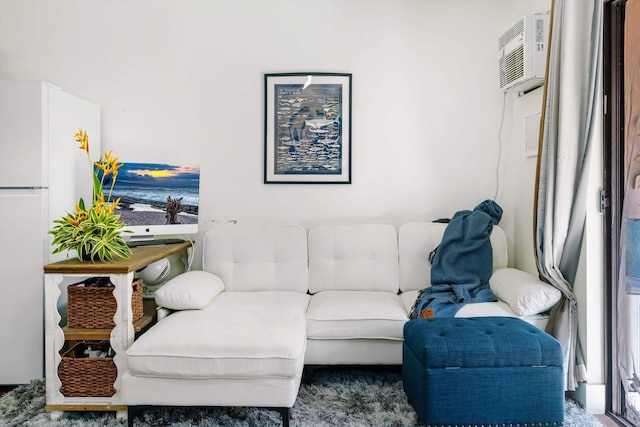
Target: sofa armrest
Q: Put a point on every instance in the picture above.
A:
(189, 291)
(524, 292)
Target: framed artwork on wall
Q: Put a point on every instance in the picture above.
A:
(307, 128)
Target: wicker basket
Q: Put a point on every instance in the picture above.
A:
(91, 306)
(87, 376)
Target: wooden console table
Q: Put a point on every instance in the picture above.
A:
(121, 274)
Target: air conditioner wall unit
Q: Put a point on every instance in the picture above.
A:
(522, 54)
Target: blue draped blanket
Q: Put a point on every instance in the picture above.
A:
(462, 265)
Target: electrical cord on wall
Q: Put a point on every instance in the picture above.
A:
(504, 101)
(192, 254)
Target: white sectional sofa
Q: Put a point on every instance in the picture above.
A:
(271, 300)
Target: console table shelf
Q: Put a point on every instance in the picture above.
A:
(85, 334)
(141, 257)
(121, 274)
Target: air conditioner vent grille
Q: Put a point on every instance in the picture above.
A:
(511, 33)
(512, 66)
(522, 56)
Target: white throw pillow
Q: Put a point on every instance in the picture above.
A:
(189, 291)
(524, 292)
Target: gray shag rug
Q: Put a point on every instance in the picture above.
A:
(349, 398)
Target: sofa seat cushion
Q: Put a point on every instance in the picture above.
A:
(479, 309)
(355, 314)
(482, 309)
(238, 335)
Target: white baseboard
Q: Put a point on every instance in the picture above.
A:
(591, 397)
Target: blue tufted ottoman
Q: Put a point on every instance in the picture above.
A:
(484, 371)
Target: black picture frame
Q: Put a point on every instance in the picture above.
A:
(307, 128)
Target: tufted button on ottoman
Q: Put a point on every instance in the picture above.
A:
(484, 371)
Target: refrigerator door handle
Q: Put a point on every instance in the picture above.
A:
(24, 188)
(22, 191)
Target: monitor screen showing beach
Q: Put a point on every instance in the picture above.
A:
(156, 193)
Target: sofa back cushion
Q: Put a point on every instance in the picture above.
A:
(418, 239)
(359, 257)
(268, 258)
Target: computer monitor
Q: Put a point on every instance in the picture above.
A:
(157, 198)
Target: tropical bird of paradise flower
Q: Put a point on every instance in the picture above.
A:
(95, 231)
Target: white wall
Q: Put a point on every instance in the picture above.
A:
(182, 81)
(520, 174)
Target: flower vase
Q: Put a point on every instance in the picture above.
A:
(85, 256)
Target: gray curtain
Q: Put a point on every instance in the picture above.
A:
(571, 108)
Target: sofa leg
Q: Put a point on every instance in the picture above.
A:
(132, 411)
(308, 371)
(284, 412)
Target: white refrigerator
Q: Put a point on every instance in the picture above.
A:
(42, 176)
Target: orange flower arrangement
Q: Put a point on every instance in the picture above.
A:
(94, 233)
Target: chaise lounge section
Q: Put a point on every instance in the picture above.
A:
(243, 346)
(273, 299)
